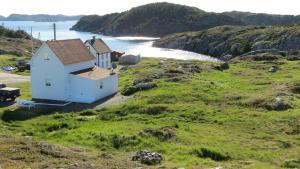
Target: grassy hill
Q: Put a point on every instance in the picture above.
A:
(197, 117)
(16, 42)
(235, 40)
(263, 19)
(159, 19)
(155, 19)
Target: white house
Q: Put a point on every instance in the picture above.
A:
(64, 70)
(101, 52)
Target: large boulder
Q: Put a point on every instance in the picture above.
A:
(278, 104)
(129, 59)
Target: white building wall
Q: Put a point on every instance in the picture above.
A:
(84, 90)
(109, 87)
(81, 90)
(49, 71)
(103, 60)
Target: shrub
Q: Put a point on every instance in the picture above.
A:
(163, 134)
(122, 141)
(155, 110)
(88, 113)
(61, 125)
(292, 163)
(212, 154)
(58, 116)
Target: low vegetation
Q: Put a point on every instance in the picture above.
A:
(210, 117)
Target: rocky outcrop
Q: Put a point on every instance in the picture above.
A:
(232, 41)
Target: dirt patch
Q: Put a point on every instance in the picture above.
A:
(7, 78)
(23, 153)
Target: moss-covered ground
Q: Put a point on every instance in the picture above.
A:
(195, 119)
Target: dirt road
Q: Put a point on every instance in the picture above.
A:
(7, 78)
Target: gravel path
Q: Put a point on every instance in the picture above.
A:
(7, 78)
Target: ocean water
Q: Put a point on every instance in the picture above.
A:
(129, 45)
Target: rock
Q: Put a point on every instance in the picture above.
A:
(273, 69)
(145, 86)
(278, 104)
(227, 57)
(223, 66)
(144, 80)
(147, 157)
(158, 75)
(139, 87)
(217, 168)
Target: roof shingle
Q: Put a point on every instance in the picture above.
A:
(70, 51)
(93, 73)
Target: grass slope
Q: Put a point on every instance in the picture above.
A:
(196, 120)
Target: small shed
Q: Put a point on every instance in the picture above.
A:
(129, 59)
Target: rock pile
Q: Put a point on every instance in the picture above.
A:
(147, 157)
(138, 85)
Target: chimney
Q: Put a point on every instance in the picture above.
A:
(93, 40)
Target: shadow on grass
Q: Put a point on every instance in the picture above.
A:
(22, 114)
(6, 104)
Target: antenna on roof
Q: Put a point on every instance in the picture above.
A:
(54, 29)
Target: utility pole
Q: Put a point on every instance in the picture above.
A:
(54, 29)
(31, 40)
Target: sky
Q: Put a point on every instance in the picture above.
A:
(101, 7)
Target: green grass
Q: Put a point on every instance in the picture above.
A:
(214, 113)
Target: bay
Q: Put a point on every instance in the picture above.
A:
(129, 45)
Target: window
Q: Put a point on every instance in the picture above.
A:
(106, 63)
(102, 64)
(101, 85)
(46, 56)
(47, 83)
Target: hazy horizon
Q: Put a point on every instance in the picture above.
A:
(88, 7)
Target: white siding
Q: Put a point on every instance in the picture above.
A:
(51, 70)
(88, 91)
(109, 87)
(103, 60)
(81, 90)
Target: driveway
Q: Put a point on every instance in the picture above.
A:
(7, 78)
